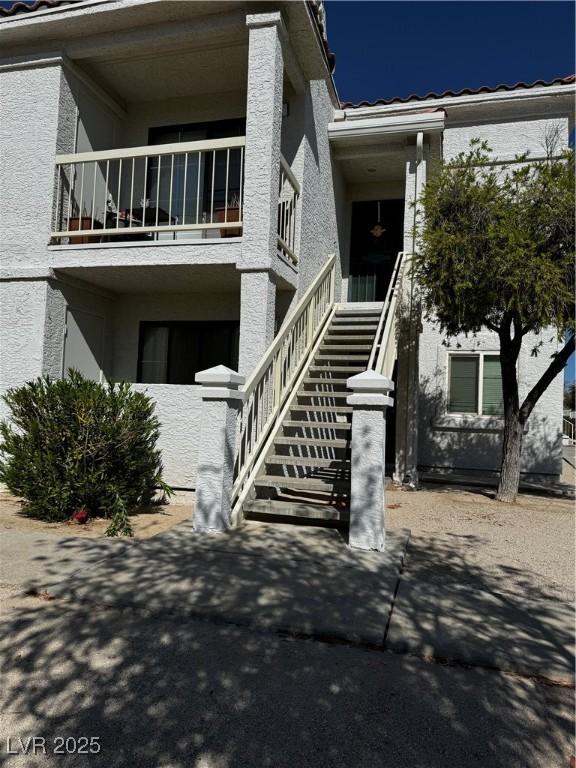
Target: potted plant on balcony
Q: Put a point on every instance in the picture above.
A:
(78, 223)
(231, 212)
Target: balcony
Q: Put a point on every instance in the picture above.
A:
(170, 192)
(187, 190)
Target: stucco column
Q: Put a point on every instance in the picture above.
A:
(262, 178)
(409, 327)
(369, 401)
(263, 134)
(257, 314)
(221, 401)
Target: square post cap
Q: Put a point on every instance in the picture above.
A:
(370, 381)
(220, 382)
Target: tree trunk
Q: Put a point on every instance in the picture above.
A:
(513, 425)
(511, 453)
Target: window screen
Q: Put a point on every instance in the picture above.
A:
(492, 403)
(463, 387)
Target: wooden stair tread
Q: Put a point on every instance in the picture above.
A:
(305, 461)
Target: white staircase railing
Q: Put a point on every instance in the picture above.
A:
(383, 352)
(288, 196)
(568, 432)
(269, 387)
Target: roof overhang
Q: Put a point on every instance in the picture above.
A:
(386, 126)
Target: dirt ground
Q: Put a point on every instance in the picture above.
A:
(145, 525)
(526, 546)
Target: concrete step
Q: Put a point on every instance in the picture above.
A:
(341, 426)
(320, 442)
(308, 461)
(322, 408)
(302, 483)
(274, 508)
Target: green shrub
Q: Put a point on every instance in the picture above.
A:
(75, 444)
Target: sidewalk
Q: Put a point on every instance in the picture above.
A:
(301, 580)
(476, 582)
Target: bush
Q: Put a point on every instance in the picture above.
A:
(74, 444)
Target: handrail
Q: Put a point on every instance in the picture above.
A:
(385, 336)
(288, 196)
(268, 388)
(288, 171)
(152, 150)
(568, 430)
(288, 323)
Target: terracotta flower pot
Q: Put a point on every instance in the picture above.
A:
(230, 214)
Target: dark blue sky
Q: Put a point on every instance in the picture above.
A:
(386, 49)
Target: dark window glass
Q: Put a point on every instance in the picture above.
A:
(174, 352)
(195, 204)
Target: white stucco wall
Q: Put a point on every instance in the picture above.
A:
(465, 443)
(474, 442)
(178, 409)
(305, 140)
(22, 310)
(37, 121)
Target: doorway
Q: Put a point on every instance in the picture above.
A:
(377, 236)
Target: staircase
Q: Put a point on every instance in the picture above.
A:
(306, 472)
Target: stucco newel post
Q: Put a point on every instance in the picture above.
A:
(369, 400)
(221, 402)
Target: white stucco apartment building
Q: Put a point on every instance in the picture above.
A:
(174, 176)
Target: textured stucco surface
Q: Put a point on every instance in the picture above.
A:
(367, 477)
(257, 315)
(509, 138)
(464, 442)
(38, 117)
(22, 310)
(178, 409)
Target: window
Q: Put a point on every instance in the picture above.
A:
(174, 352)
(475, 384)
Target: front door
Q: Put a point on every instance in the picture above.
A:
(377, 236)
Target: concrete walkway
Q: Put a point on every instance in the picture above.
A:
(278, 577)
(438, 601)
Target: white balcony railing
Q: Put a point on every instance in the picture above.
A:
(191, 189)
(287, 211)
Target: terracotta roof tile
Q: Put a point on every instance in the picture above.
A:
(464, 92)
(21, 7)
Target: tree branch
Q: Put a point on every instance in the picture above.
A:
(546, 379)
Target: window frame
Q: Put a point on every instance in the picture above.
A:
(143, 324)
(481, 354)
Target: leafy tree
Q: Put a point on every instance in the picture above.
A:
(76, 446)
(497, 252)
